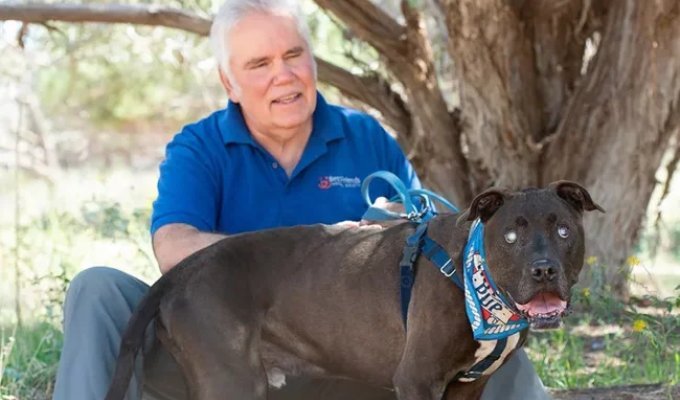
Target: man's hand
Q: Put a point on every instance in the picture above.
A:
(382, 202)
(173, 243)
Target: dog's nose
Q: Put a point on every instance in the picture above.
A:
(543, 270)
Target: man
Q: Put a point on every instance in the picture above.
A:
(278, 155)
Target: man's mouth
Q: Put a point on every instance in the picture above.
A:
(288, 99)
(544, 311)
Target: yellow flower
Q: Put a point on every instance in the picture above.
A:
(639, 325)
(586, 292)
(592, 260)
(632, 261)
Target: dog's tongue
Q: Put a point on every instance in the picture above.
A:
(544, 303)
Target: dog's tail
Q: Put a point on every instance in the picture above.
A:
(133, 338)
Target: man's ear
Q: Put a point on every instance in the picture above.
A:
(484, 206)
(576, 195)
(226, 83)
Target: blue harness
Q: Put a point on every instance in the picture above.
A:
(496, 326)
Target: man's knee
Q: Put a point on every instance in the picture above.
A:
(514, 380)
(95, 280)
(98, 305)
(103, 287)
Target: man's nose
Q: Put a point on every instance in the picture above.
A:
(283, 72)
(543, 270)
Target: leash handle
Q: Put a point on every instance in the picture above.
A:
(427, 194)
(408, 197)
(380, 214)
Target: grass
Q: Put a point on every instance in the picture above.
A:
(28, 361)
(606, 343)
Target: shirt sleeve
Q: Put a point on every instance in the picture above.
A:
(188, 189)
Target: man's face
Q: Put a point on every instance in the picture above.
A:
(273, 74)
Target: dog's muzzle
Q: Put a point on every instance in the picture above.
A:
(544, 311)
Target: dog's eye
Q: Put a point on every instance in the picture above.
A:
(511, 237)
(563, 231)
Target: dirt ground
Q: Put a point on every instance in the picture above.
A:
(636, 392)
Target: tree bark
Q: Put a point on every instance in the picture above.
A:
(500, 105)
(534, 114)
(618, 124)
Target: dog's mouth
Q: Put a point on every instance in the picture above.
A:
(544, 311)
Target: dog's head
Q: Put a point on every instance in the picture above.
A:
(534, 243)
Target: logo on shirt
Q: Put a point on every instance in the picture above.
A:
(327, 182)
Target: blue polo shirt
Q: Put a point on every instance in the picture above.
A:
(217, 178)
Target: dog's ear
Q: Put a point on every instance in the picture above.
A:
(483, 206)
(576, 195)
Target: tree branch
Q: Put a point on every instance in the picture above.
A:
(373, 25)
(111, 13)
(441, 135)
(372, 91)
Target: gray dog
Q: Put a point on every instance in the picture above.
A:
(324, 300)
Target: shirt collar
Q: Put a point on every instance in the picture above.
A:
(326, 125)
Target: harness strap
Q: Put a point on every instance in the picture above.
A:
(419, 209)
(416, 243)
(478, 369)
(419, 242)
(407, 270)
(440, 258)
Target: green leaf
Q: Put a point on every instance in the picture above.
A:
(414, 3)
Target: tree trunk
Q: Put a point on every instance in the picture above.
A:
(533, 114)
(618, 124)
(587, 90)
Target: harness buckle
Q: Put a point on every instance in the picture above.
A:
(417, 216)
(443, 267)
(472, 375)
(410, 255)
